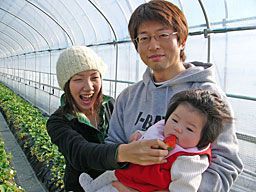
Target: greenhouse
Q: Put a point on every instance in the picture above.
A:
(34, 33)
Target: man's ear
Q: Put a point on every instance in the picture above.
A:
(182, 45)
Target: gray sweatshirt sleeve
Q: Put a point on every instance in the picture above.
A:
(116, 132)
(226, 164)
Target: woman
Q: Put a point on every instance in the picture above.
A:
(80, 125)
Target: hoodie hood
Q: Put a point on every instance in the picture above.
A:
(195, 72)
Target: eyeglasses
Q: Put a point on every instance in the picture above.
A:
(145, 39)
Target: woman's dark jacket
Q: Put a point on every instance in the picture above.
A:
(78, 141)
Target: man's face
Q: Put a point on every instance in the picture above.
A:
(161, 50)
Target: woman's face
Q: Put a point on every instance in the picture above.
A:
(85, 87)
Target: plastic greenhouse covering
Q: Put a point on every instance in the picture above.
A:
(34, 32)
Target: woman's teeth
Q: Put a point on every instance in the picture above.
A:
(86, 96)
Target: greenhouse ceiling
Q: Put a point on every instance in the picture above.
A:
(34, 26)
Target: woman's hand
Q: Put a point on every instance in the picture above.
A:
(122, 188)
(143, 152)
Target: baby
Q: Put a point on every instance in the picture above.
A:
(194, 119)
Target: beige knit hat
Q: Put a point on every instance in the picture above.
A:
(77, 59)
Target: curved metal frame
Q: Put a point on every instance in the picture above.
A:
(115, 40)
(19, 34)
(91, 23)
(10, 37)
(3, 40)
(52, 20)
(23, 21)
(206, 34)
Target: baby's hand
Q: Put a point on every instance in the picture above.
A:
(135, 136)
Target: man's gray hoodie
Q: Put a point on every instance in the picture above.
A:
(142, 104)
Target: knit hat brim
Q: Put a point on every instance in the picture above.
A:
(75, 60)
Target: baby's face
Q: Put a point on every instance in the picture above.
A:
(186, 123)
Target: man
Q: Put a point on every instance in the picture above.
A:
(159, 31)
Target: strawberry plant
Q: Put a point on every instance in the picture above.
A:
(29, 126)
(7, 173)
